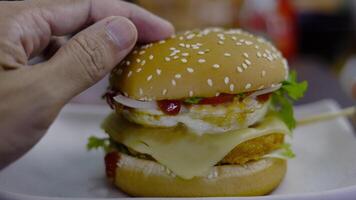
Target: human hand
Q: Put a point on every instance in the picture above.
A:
(32, 95)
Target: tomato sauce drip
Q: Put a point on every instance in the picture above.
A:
(111, 160)
(170, 107)
(222, 98)
(264, 97)
(109, 97)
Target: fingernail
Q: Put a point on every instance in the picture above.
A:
(122, 32)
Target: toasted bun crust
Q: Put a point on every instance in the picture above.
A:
(200, 63)
(138, 177)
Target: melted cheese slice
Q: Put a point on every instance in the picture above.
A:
(186, 154)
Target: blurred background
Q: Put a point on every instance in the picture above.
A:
(317, 36)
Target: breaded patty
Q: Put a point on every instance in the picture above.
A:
(253, 149)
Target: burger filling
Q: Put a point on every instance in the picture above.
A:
(218, 114)
(179, 134)
(187, 154)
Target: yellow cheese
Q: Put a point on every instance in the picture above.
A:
(186, 154)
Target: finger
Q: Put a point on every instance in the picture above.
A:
(67, 16)
(53, 46)
(88, 57)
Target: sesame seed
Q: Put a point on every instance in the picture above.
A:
(263, 73)
(172, 48)
(232, 86)
(135, 52)
(227, 54)
(164, 92)
(190, 70)
(201, 60)
(161, 42)
(248, 62)
(239, 69)
(261, 87)
(175, 57)
(234, 38)
(129, 74)
(184, 60)
(181, 38)
(191, 93)
(201, 52)
(142, 52)
(259, 54)
(244, 65)
(199, 44)
(125, 94)
(248, 42)
(210, 82)
(226, 80)
(158, 71)
(221, 42)
(216, 66)
(187, 46)
(138, 60)
(181, 44)
(241, 40)
(150, 57)
(174, 83)
(167, 59)
(189, 37)
(139, 69)
(257, 47)
(143, 62)
(149, 77)
(185, 54)
(195, 47)
(245, 55)
(248, 85)
(141, 91)
(178, 76)
(238, 43)
(128, 63)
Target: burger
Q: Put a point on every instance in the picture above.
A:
(203, 113)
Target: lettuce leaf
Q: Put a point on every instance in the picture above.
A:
(193, 100)
(283, 99)
(98, 143)
(285, 152)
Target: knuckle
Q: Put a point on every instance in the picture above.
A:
(89, 53)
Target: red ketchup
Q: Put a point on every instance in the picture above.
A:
(111, 160)
(170, 107)
(109, 97)
(264, 97)
(222, 98)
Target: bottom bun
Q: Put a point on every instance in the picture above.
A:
(139, 177)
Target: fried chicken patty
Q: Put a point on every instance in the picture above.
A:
(253, 149)
(247, 151)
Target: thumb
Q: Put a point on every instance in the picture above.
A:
(90, 55)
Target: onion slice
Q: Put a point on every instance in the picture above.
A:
(132, 103)
(265, 91)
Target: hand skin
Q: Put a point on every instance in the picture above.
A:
(32, 95)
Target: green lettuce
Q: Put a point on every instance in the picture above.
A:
(283, 99)
(98, 143)
(285, 152)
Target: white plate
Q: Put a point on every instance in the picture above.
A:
(60, 167)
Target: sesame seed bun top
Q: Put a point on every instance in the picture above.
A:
(200, 63)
